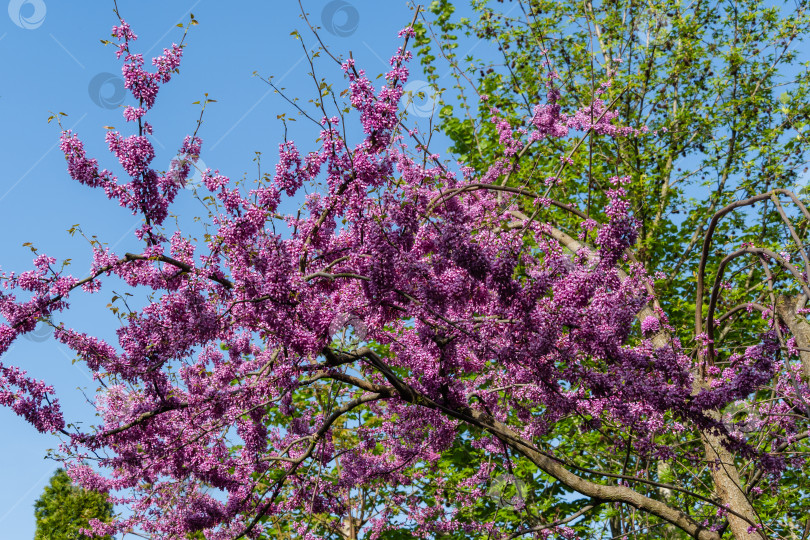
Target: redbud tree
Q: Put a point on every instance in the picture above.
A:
(231, 407)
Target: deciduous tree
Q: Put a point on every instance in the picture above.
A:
(230, 406)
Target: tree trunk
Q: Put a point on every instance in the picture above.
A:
(786, 310)
(729, 489)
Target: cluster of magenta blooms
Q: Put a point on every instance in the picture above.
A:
(473, 309)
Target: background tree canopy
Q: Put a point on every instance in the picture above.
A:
(723, 84)
(64, 509)
(725, 88)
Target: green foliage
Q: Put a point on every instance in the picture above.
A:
(724, 93)
(64, 509)
(723, 85)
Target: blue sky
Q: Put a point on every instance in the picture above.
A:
(53, 60)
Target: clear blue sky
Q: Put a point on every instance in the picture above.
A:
(53, 60)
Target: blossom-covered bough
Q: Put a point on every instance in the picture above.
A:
(231, 407)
